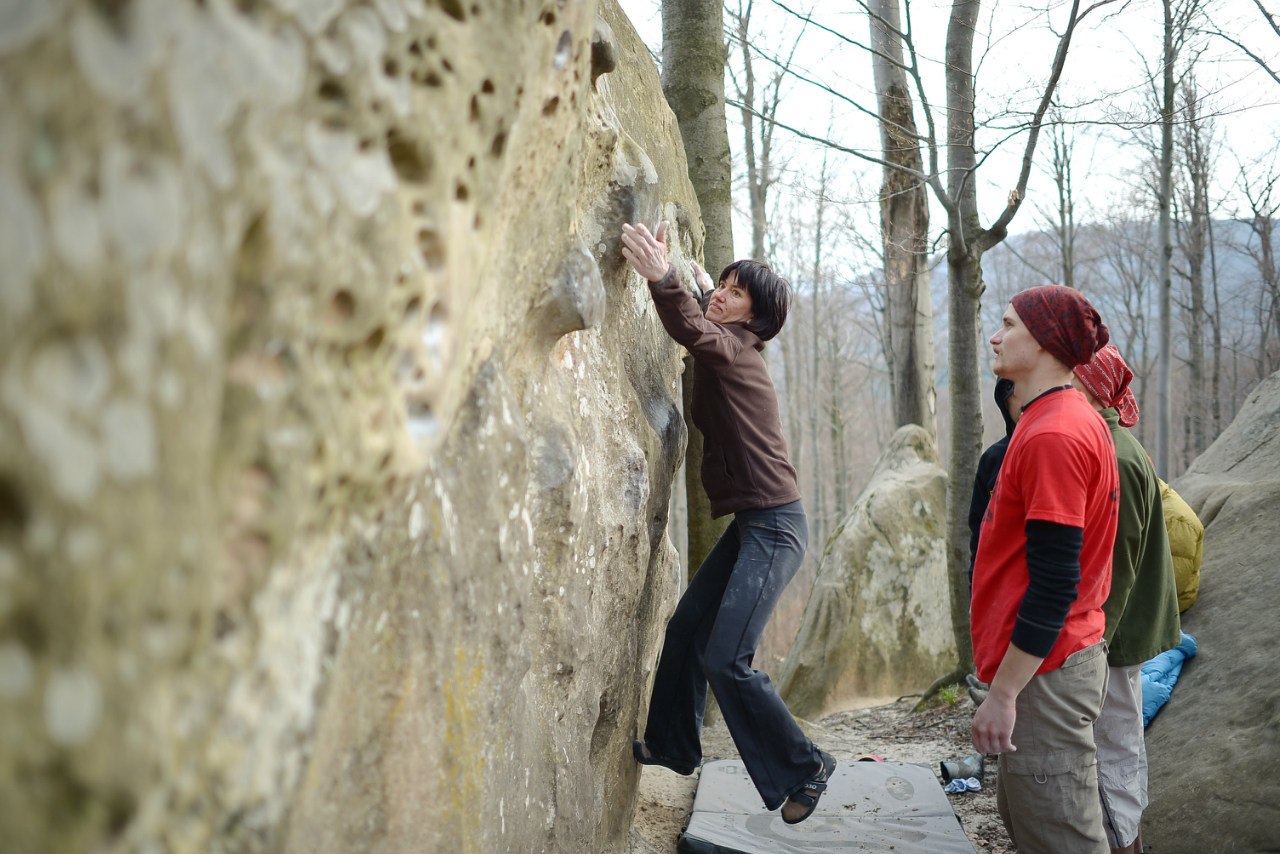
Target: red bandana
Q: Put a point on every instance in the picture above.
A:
(1063, 322)
(1107, 378)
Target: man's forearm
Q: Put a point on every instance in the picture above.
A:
(1015, 671)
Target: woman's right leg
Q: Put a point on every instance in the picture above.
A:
(679, 695)
(777, 754)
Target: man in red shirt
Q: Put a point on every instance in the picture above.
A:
(1041, 576)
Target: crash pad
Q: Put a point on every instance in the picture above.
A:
(868, 806)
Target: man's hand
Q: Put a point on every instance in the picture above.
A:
(993, 724)
(700, 276)
(647, 253)
(994, 719)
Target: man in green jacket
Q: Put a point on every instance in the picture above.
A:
(1141, 609)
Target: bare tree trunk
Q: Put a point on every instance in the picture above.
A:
(1194, 142)
(839, 475)
(965, 286)
(1065, 220)
(1263, 226)
(1264, 326)
(819, 522)
(904, 227)
(1271, 295)
(835, 427)
(757, 184)
(757, 112)
(1128, 253)
(693, 64)
(798, 380)
(1165, 193)
(1216, 321)
(791, 371)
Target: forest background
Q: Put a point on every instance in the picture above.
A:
(807, 137)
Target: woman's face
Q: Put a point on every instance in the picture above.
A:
(730, 303)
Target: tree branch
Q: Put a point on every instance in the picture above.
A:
(1000, 226)
(786, 69)
(828, 143)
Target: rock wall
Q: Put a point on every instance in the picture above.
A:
(337, 440)
(1214, 750)
(878, 622)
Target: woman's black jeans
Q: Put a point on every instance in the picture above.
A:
(712, 639)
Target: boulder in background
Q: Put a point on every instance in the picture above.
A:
(878, 622)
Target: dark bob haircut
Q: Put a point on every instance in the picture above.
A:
(770, 295)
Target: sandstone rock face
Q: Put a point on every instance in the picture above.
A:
(879, 619)
(1214, 750)
(337, 440)
(1246, 454)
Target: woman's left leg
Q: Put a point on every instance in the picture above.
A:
(674, 726)
(777, 754)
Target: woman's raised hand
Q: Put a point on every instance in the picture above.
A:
(646, 253)
(702, 278)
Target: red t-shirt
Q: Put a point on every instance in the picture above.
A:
(1060, 467)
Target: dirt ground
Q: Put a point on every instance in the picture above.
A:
(891, 730)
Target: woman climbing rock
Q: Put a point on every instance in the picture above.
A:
(712, 637)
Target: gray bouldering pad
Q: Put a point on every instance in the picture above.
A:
(868, 806)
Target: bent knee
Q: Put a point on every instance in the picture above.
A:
(724, 670)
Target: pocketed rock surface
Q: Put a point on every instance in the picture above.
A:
(336, 436)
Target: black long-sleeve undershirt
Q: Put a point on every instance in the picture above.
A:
(1053, 564)
(984, 483)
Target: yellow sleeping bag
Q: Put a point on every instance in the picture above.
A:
(1186, 542)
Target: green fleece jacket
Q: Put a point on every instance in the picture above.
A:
(1142, 608)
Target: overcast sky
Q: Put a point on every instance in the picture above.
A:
(1105, 71)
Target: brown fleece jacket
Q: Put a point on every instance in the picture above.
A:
(745, 463)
